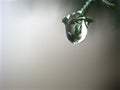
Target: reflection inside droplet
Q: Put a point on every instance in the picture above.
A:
(76, 32)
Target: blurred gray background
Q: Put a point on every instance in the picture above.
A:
(36, 55)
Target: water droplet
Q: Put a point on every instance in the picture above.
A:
(76, 31)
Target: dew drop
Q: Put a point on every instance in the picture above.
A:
(76, 32)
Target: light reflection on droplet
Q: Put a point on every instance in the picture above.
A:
(76, 33)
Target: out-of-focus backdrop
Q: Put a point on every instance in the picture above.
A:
(36, 55)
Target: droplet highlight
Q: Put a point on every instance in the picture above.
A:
(76, 31)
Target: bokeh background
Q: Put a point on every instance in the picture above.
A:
(36, 55)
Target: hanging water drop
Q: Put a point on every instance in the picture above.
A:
(76, 29)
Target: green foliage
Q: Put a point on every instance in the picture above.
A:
(78, 16)
(107, 3)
